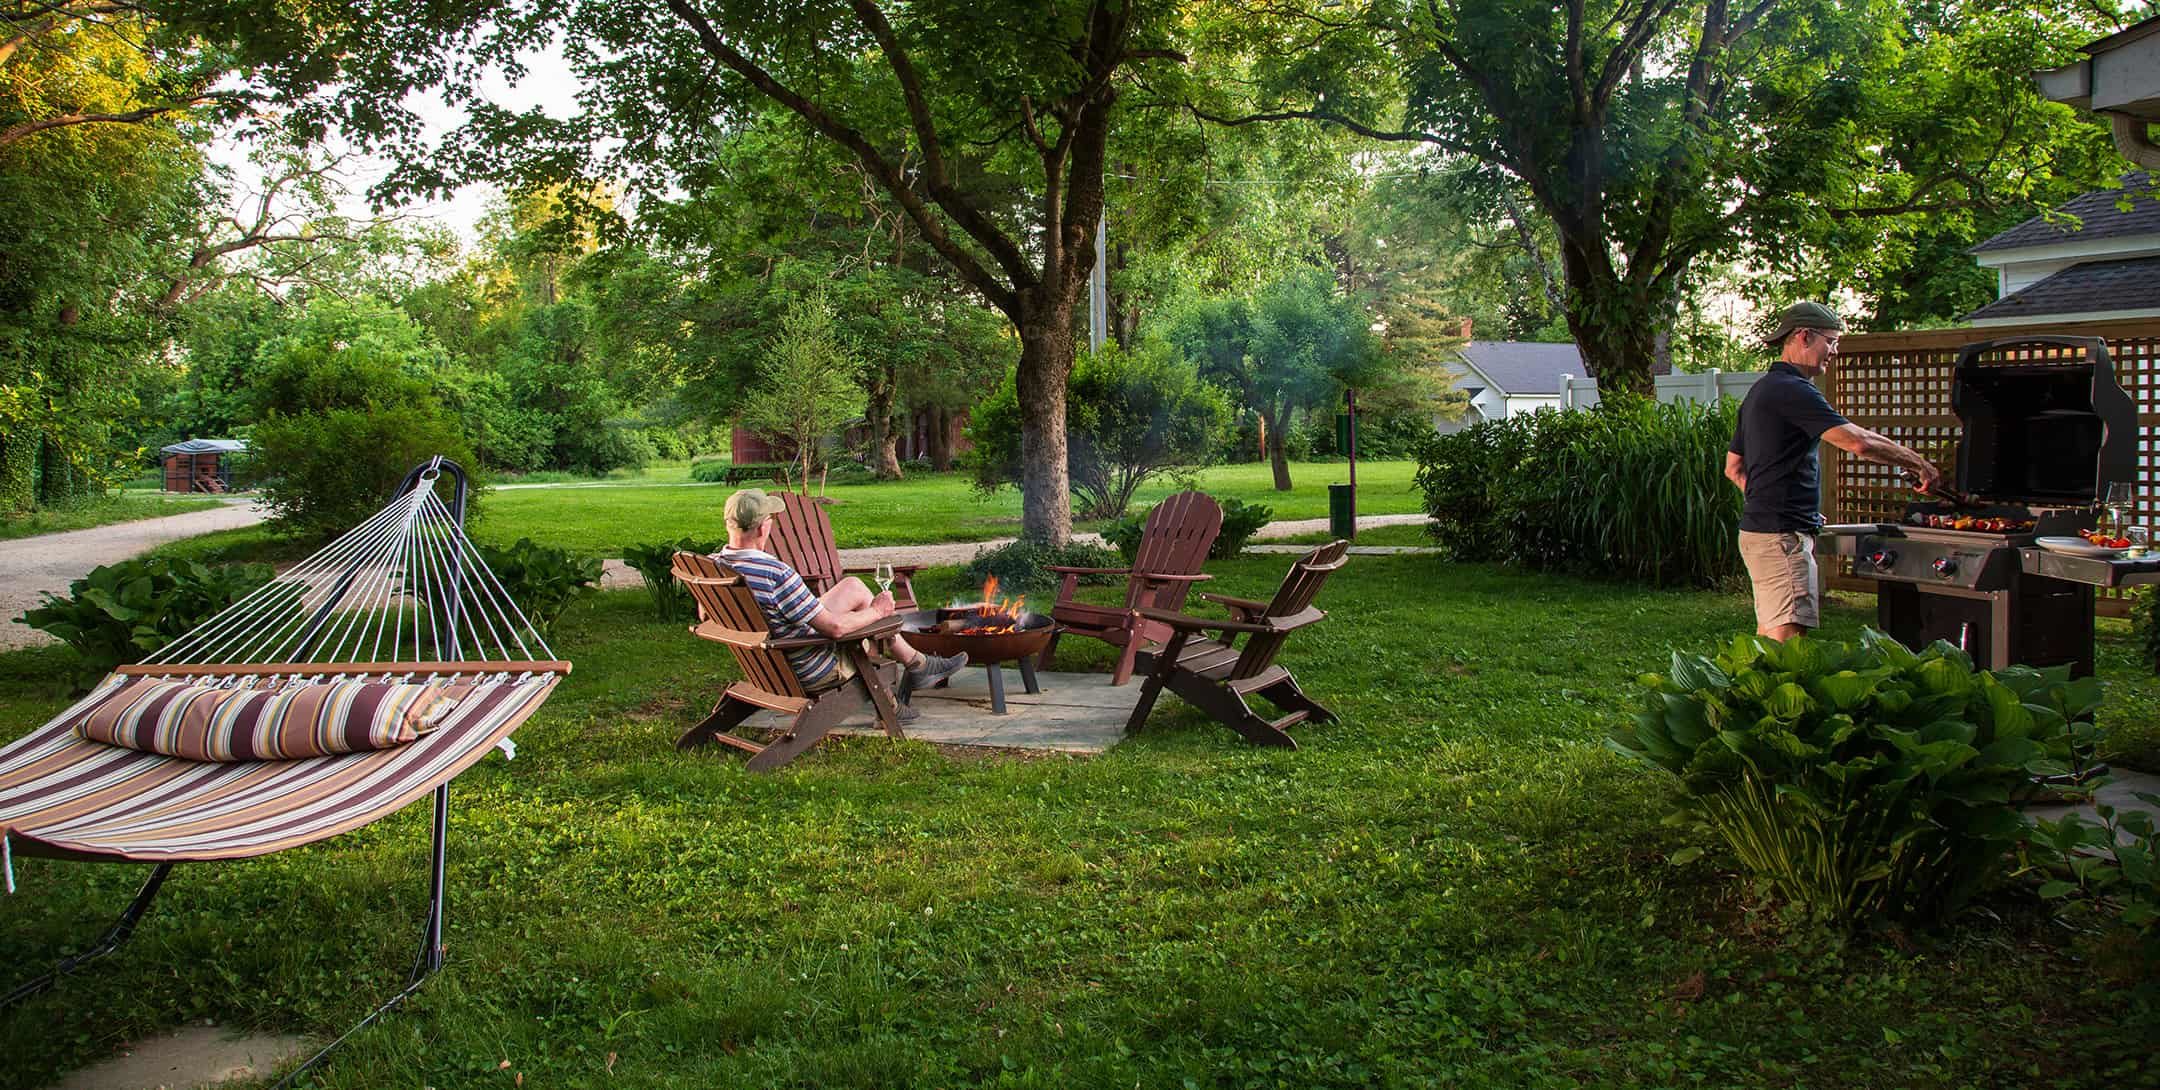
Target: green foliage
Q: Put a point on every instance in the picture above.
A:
(1240, 521)
(1861, 782)
(717, 471)
(122, 613)
(326, 473)
(2108, 867)
(806, 389)
(655, 562)
(542, 579)
(1132, 417)
(2145, 620)
(1021, 567)
(1632, 490)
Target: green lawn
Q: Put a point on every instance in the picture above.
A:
(924, 508)
(1457, 886)
(125, 507)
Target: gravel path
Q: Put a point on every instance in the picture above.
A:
(32, 565)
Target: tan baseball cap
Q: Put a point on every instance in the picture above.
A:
(751, 506)
(1804, 314)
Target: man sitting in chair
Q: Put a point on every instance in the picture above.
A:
(792, 611)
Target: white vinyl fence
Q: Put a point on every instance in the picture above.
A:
(1581, 393)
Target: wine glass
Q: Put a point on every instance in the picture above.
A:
(2118, 501)
(884, 577)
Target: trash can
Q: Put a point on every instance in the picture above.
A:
(1342, 511)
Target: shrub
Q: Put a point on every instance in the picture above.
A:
(1240, 521)
(1124, 534)
(655, 564)
(1635, 490)
(1020, 566)
(2107, 867)
(542, 579)
(715, 471)
(121, 613)
(1133, 416)
(1858, 781)
(328, 472)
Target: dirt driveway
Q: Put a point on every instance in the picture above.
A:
(33, 565)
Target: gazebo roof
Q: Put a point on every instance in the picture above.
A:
(205, 446)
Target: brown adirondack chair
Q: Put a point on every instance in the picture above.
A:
(1218, 678)
(729, 614)
(803, 537)
(1173, 545)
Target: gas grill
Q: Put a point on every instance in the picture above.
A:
(2044, 428)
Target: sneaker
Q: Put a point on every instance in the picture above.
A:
(933, 669)
(908, 712)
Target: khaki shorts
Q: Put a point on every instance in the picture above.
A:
(1782, 567)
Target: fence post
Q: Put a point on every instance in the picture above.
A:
(1567, 391)
(1716, 382)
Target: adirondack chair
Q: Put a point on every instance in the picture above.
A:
(729, 614)
(1173, 545)
(1218, 678)
(803, 537)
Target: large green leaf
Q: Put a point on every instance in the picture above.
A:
(1789, 701)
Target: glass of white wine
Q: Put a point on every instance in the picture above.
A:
(884, 577)
(2118, 501)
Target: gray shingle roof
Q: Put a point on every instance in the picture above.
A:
(1524, 367)
(2128, 284)
(2097, 211)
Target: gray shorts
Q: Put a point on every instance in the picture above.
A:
(1782, 567)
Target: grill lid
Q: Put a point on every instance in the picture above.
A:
(2045, 423)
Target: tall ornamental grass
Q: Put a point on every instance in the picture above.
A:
(1633, 490)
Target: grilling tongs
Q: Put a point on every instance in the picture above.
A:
(1958, 501)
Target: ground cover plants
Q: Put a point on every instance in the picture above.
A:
(1458, 885)
(123, 613)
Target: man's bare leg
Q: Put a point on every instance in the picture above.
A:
(1782, 632)
(851, 594)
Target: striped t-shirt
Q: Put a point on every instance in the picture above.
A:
(788, 606)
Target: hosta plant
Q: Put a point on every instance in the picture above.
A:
(655, 564)
(121, 613)
(2108, 868)
(542, 579)
(1858, 781)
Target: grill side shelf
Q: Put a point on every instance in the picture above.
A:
(2089, 570)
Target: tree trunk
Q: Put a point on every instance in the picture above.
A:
(1272, 426)
(1046, 361)
(941, 446)
(884, 458)
(1614, 320)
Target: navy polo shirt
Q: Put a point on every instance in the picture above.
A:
(1781, 420)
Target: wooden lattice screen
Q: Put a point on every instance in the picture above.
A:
(1899, 385)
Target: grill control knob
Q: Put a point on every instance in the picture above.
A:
(1883, 559)
(1945, 565)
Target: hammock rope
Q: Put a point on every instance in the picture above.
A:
(405, 586)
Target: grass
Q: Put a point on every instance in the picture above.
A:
(921, 509)
(1457, 885)
(125, 507)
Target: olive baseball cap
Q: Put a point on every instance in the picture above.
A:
(1805, 314)
(751, 506)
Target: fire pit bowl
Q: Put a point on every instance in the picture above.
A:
(1001, 637)
(940, 632)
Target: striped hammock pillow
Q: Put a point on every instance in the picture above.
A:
(205, 723)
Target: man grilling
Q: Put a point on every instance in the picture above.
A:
(1772, 461)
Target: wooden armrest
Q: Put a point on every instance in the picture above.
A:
(1085, 571)
(1241, 605)
(883, 626)
(1185, 622)
(1165, 577)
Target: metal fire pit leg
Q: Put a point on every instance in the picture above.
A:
(997, 689)
(1027, 674)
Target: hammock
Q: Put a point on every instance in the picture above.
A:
(402, 597)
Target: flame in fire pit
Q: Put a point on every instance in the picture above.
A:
(994, 615)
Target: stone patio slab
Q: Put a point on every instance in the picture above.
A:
(1074, 713)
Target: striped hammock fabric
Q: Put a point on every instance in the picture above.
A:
(400, 606)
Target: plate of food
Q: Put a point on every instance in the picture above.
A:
(2091, 543)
